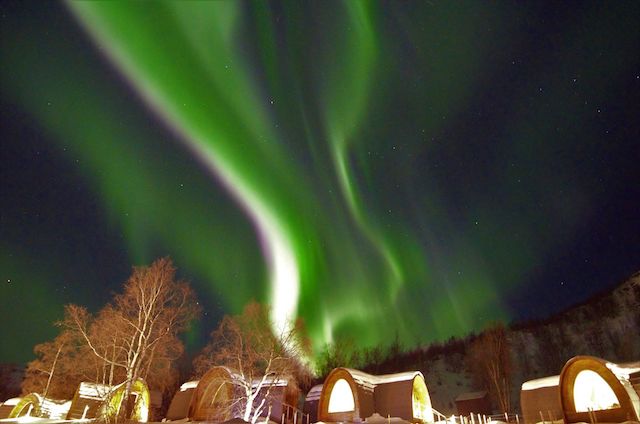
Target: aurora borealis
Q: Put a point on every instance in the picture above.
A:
(416, 169)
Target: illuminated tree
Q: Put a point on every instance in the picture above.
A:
(136, 335)
(489, 360)
(247, 345)
(59, 367)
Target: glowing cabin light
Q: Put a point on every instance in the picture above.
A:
(341, 399)
(420, 401)
(592, 393)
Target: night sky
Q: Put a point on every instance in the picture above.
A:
(417, 169)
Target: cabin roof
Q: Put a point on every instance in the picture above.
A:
(538, 383)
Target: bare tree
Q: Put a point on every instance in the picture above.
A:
(489, 360)
(58, 368)
(138, 332)
(246, 344)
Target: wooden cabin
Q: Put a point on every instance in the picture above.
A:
(216, 396)
(179, 406)
(595, 390)
(7, 406)
(93, 400)
(352, 395)
(36, 405)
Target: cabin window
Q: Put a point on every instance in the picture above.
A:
(341, 399)
(421, 402)
(592, 393)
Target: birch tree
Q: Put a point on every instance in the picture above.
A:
(138, 332)
(247, 344)
(489, 360)
(59, 367)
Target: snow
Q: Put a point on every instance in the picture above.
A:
(379, 419)
(189, 385)
(93, 390)
(553, 380)
(382, 379)
(314, 393)
(55, 409)
(624, 370)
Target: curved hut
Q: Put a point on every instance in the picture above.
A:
(214, 396)
(179, 406)
(219, 396)
(29, 405)
(139, 402)
(93, 400)
(7, 406)
(352, 395)
(35, 405)
(592, 389)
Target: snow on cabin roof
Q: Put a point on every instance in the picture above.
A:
(93, 390)
(538, 383)
(12, 402)
(189, 385)
(372, 381)
(55, 409)
(471, 395)
(314, 393)
(624, 370)
(270, 381)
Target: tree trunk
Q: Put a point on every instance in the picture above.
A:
(53, 369)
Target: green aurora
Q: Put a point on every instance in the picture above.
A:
(289, 152)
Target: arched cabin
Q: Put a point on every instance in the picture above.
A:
(36, 405)
(352, 395)
(595, 390)
(179, 406)
(93, 400)
(28, 405)
(214, 396)
(7, 406)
